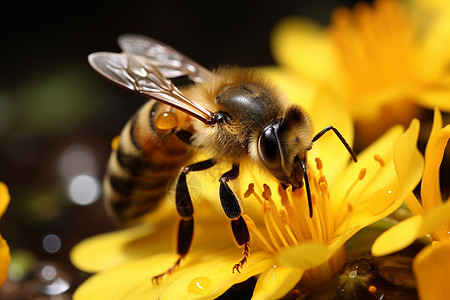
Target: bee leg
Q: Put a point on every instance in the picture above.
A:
(232, 209)
(186, 211)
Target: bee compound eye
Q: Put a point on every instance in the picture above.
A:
(268, 148)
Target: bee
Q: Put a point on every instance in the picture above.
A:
(231, 113)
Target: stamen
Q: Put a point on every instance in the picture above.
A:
(267, 193)
(319, 165)
(362, 174)
(283, 194)
(252, 227)
(266, 208)
(274, 217)
(269, 228)
(323, 184)
(283, 217)
(250, 190)
(373, 290)
(379, 159)
(324, 214)
(345, 200)
(278, 231)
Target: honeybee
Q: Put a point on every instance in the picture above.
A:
(231, 113)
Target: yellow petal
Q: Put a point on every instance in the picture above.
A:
(5, 258)
(211, 275)
(304, 256)
(310, 254)
(296, 89)
(435, 96)
(4, 198)
(303, 46)
(398, 237)
(432, 270)
(376, 178)
(276, 282)
(327, 110)
(128, 281)
(435, 219)
(203, 275)
(110, 249)
(430, 191)
(408, 160)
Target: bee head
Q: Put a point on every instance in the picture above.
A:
(282, 146)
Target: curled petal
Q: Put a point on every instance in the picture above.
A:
(434, 153)
(408, 161)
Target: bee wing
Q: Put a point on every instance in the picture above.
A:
(169, 61)
(139, 74)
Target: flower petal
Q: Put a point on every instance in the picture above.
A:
(435, 219)
(325, 111)
(211, 275)
(398, 237)
(376, 178)
(297, 89)
(434, 153)
(432, 270)
(304, 256)
(4, 198)
(89, 255)
(128, 281)
(303, 46)
(276, 282)
(5, 258)
(408, 160)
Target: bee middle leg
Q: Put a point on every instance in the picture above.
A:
(186, 211)
(232, 209)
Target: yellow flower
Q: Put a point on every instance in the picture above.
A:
(381, 61)
(5, 256)
(287, 245)
(431, 219)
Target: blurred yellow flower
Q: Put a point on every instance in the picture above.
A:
(431, 219)
(382, 61)
(5, 256)
(287, 246)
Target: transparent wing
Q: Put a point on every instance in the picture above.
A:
(169, 61)
(139, 74)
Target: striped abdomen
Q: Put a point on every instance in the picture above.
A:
(148, 158)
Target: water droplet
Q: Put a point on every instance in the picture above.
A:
(199, 285)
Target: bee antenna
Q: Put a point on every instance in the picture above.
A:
(339, 135)
(308, 191)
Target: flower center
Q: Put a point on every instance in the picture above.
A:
(285, 216)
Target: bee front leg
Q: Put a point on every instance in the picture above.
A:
(186, 211)
(232, 209)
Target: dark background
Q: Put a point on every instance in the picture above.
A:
(51, 102)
